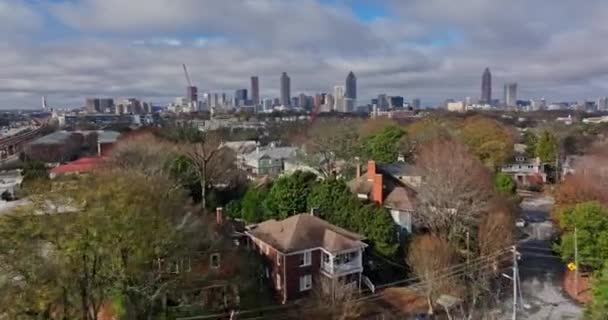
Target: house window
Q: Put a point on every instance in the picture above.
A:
(278, 259)
(175, 267)
(214, 260)
(305, 282)
(188, 265)
(278, 281)
(267, 249)
(267, 273)
(305, 259)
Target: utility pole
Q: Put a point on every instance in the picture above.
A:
(575, 262)
(515, 271)
(468, 247)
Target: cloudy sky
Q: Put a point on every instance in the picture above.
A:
(432, 49)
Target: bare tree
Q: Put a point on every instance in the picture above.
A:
(497, 227)
(427, 256)
(328, 142)
(455, 191)
(142, 153)
(211, 162)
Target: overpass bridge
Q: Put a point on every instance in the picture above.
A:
(11, 146)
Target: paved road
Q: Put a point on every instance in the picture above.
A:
(541, 271)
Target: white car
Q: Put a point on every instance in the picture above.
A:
(520, 223)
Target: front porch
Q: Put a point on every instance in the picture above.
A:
(341, 263)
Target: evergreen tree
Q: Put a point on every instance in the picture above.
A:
(591, 222)
(384, 145)
(546, 147)
(504, 184)
(598, 308)
(288, 195)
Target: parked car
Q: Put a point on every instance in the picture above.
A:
(520, 223)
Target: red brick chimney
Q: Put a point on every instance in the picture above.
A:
(377, 189)
(371, 170)
(219, 215)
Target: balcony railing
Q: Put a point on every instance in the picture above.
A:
(341, 268)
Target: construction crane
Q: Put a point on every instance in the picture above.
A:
(187, 75)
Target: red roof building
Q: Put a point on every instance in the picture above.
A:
(79, 166)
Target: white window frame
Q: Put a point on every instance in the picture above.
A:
(305, 282)
(307, 259)
(278, 281)
(218, 261)
(278, 259)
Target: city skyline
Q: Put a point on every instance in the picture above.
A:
(67, 50)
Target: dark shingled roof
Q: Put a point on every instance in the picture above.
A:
(305, 231)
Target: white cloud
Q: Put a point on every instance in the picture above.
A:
(16, 16)
(431, 49)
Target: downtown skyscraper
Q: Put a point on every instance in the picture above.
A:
(255, 90)
(511, 94)
(486, 87)
(339, 102)
(285, 90)
(350, 93)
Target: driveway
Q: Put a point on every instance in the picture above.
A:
(541, 270)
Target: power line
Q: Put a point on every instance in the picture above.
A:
(379, 295)
(453, 274)
(453, 271)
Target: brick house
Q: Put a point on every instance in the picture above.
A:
(303, 251)
(393, 187)
(217, 276)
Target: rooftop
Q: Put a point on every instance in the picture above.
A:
(80, 165)
(57, 137)
(272, 152)
(107, 136)
(305, 231)
(398, 169)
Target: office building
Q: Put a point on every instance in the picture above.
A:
(350, 92)
(382, 102)
(214, 100)
(351, 86)
(458, 106)
(106, 105)
(339, 105)
(511, 94)
(602, 104)
(318, 100)
(295, 102)
(396, 102)
(486, 87)
(240, 95)
(285, 90)
(92, 105)
(192, 94)
(536, 105)
(267, 104)
(329, 102)
(255, 91)
(303, 100)
(416, 103)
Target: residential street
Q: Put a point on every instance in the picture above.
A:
(541, 270)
